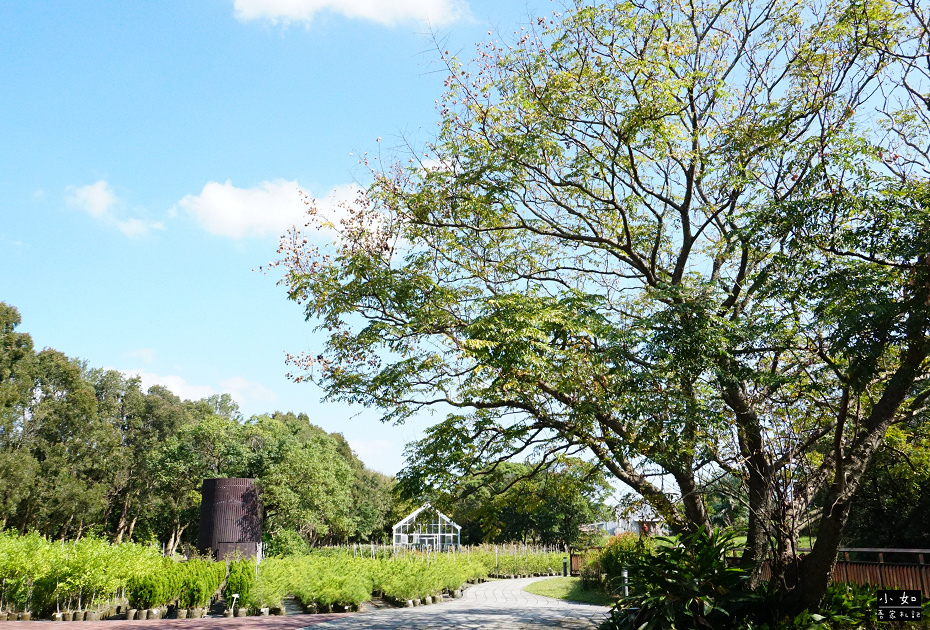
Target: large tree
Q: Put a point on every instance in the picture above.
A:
(516, 503)
(87, 450)
(660, 232)
(18, 466)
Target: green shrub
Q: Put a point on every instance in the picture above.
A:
(145, 591)
(844, 606)
(41, 576)
(689, 585)
(622, 551)
(328, 580)
(591, 570)
(284, 543)
(273, 583)
(201, 579)
(240, 580)
(513, 560)
(854, 603)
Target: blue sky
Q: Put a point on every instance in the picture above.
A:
(150, 154)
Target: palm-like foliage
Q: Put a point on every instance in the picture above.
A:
(687, 584)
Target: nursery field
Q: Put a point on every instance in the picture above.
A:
(44, 577)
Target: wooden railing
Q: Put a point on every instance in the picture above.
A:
(907, 571)
(913, 575)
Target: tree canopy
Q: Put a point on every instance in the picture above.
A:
(688, 239)
(87, 451)
(513, 503)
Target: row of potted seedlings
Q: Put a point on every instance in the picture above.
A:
(244, 611)
(15, 616)
(131, 614)
(165, 612)
(424, 601)
(110, 613)
(508, 576)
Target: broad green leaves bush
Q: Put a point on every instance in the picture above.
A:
(622, 551)
(844, 606)
(685, 585)
(285, 542)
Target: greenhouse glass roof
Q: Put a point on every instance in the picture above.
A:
(427, 528)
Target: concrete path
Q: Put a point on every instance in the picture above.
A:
(496, 605)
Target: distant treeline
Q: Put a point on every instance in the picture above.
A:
(86, 450)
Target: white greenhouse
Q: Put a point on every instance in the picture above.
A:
(427, 528)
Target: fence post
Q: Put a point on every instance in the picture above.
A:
(881, 565)
(920, 569)
(625, 577)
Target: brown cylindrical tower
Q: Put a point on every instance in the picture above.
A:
(230, 518)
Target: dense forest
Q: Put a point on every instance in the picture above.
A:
(85, 450)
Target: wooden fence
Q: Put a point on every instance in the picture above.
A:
(905, 570)
(577, 560)
(901, 574)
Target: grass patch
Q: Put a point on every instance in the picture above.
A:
(804, 542)
(569, 588)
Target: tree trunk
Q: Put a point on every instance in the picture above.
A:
(167, 552)
(132, 526)
(122, 523)
(816, 569)
(695, 510)
(106, 512)
(175, 539)
(784, 562)
(66, 527)
(758, 478)
(24, 525)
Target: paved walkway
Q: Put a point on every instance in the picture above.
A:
(496, 605)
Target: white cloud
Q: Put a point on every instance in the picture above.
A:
(177, 384)
(95, 199)
(138, 227)
(245, 392)
(389, 12)
(269, 208)
(223, 209)
(99, 201)
(243, 389)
